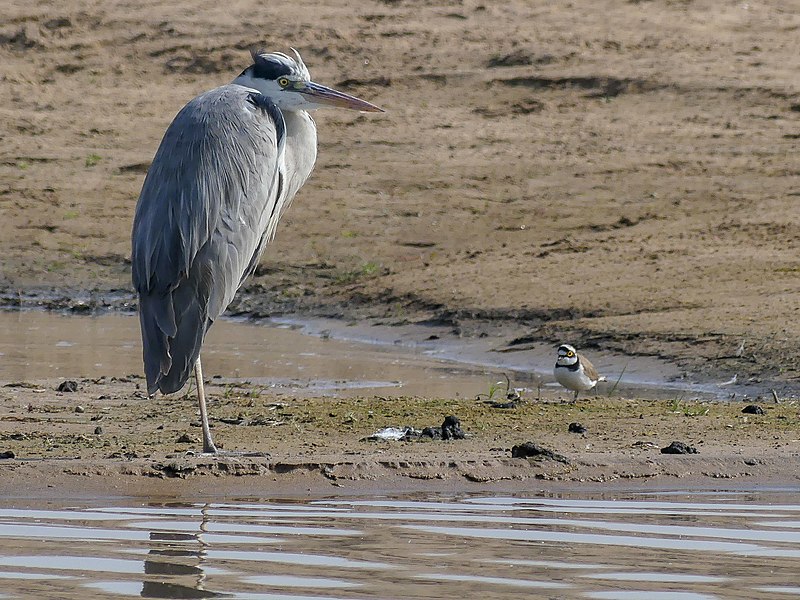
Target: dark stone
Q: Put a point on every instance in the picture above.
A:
(576, 428)
(98, 430)
(509, 404)
(186, 439)
(529, 449)
(679, 448)
(753, 409)
(451, 429)
(7, 454)
(67, 386)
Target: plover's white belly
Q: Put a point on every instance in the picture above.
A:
(573, 380)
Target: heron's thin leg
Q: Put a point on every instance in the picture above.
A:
(208, 443)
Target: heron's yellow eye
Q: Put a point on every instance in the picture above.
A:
(283, 82)
(570, 354)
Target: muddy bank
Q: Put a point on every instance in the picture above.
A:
(108, 436)
(249, 477)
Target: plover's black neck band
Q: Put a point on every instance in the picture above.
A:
(574, 367)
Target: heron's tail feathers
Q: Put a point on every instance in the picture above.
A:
(157, 319)
(173, 328)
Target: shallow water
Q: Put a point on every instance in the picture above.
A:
(672, 545)
(316, 357)
(36, 345)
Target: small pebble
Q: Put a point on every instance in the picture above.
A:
(7, 454)
(186, 439)
(79, 409)
(98, 430)
(576, 428)
(753, 409)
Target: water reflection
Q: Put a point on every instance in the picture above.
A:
(432, 547)
(177, 556)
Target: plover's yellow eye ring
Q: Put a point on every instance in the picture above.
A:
(570, 354)
(283, 82)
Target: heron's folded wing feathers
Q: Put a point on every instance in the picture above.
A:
(201, 215)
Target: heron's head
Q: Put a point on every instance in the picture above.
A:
(286, 81)
(567, 355)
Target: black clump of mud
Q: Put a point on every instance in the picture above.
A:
(576, 428)
(679, 448)
(67, 386)
(435, 433)
(531, 450)
(753, 409)
(451, 429)
(7, 454)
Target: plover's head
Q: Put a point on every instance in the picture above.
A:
(567, 356)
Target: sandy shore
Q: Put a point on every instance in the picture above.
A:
(620, 175)
(108, 439)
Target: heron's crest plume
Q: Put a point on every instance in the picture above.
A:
(271, 65)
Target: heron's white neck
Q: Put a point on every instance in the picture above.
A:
(301, 148)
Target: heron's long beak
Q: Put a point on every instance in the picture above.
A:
(319, 94)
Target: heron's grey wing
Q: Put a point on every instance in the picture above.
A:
(205, 206)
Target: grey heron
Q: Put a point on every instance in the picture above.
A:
(226, 170)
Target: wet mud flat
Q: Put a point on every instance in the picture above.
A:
(107, 438)
(314, 407)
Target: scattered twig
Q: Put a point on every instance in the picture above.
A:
(616, 383)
